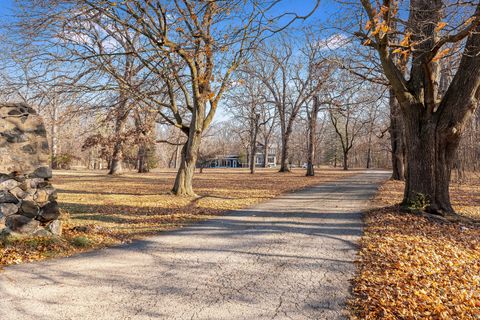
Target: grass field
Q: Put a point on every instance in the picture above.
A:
(414, 268)
(101, 210)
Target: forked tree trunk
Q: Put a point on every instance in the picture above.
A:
(184, 180)
(397, 140)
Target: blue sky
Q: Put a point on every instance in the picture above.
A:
(327, 8)
(5, 7)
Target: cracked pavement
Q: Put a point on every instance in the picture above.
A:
(288, 258)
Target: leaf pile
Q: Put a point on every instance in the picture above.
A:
(414, 268)
(104, 210)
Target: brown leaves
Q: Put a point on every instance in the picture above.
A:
(440, 26)
(413, 268)
(440, 55)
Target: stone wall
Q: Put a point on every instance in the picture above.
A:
(28, 201)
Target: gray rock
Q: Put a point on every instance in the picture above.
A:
(42, 233)
(42, 172)
(29, 209)
(49, 212)
(8, 184)
(55, 227)
(30, 149)
(7, 197)
(41, 196)
(35, 183)
(21, 224)
(7, 209)
(19, 193)
(20, 178)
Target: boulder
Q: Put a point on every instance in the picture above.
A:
(21, 224)
(49, 212)
(7, 197)
(42, 172)
(29, 209)
(9, 184)
(55, 227)
(7, 209)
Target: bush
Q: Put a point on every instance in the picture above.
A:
(81, 242)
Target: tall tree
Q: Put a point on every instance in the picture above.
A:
(290, 81)
(433, 120)
(195, 46)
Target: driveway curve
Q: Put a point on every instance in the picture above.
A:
(287, 258)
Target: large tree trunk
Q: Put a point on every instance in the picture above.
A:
(397, 140)
(430, 156)
(312, 132)
(184, 180)
(117, 154)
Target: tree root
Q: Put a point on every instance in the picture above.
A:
(450, 217)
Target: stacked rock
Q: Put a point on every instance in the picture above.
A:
(28, 201)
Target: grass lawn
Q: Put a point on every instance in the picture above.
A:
(101, 210)
(414, 268)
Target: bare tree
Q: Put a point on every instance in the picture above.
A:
(188, 39)
(290, 82)
(434, 120)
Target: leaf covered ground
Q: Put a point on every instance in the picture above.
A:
(101, 210)
(414, 268)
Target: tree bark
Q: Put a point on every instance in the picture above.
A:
(369, 154)
(142, 158)
(345, 160)
(54, 139)
(253, 142)
(430, 154)
(284, 167)
(184, 180)
(117, 154)
(265, 153)
(397, 140)
(312, 132)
